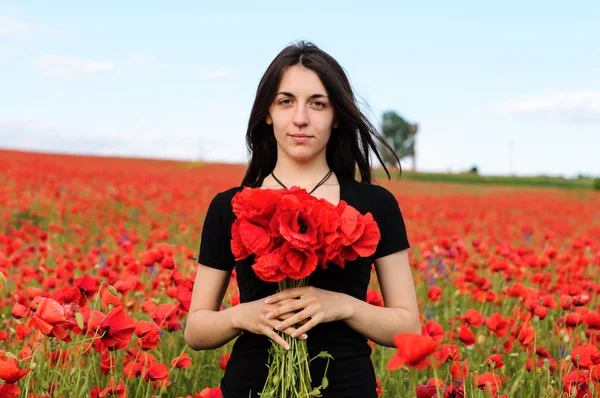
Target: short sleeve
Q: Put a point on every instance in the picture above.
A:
(391, 224)
(215, 241)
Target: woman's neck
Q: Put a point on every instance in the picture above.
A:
(305, 174)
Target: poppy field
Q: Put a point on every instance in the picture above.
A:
(97, 261)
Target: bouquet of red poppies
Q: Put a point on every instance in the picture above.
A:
(291, 233)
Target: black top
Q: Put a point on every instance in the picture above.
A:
(246, 370)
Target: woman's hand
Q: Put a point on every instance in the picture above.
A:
(252, 317)
(308, 305)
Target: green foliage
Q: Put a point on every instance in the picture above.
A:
(399, 135)
(597, 184)
(472, 178)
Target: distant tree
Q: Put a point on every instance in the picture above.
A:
(474, 170)
(400, 135)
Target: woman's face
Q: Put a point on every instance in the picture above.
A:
(301, 114)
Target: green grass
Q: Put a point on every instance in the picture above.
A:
(469, 178)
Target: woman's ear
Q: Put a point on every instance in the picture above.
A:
(268, 119)
(335, 124)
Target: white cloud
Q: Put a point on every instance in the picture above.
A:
(71, 67)
(580, 105)
(12, 26)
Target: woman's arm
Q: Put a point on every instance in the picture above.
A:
(207, 327)
(379, 324)
(401, 311)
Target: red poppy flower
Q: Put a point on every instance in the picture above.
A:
(120, 390)
(497, 324)
(210, 392)
(586, 355)
(183, 361)
(413, 351)
(148, 333)
(49, 318)
(374, 298)
(224, 360)
(435, 330)
(10, 371)
(435, 294)
(117, 329)
(488, 382)
(473, 318)
(466, 335)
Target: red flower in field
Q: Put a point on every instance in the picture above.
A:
(378, 388)
(454, 392)
(488, 382)
(427, 391)
(473, 317)
(374, 298)
(183, 361)
(148, 333)
(3, 335)
(574, 319)
(116, 329)
(224, 360)
(466, 335)
(210, 392)
(158, 373)
(235, 299)
(50, 318)
(20, 311)
(107, 362)
(446, 353)
(525, 334)
(10, 371)
(8, 390)
(496, 359)
(120, 390)
(434, 330)
(87, 285)
(413, 351)
(435, 294)
(586, 355)
(458, 371)
(576, 384)
(166, 316)
(497, 325)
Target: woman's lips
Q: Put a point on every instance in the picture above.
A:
(300, 138)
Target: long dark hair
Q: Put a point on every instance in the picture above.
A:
(350, 143)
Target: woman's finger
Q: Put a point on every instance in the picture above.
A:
(286, 294)
(292, 306)
(307, 326)
(273, 335)
(295, 319)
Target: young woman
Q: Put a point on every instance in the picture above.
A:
(306, 130)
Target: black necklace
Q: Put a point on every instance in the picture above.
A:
(317, 186)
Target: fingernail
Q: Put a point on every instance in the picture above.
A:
(268, 300)
(287, 347)
(304, 336)
(278, 327)
(293, 334)
(270, 314)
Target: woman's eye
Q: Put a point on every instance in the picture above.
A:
(321, 104)
(283, 102)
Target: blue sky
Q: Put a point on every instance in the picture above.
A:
(178, 81)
